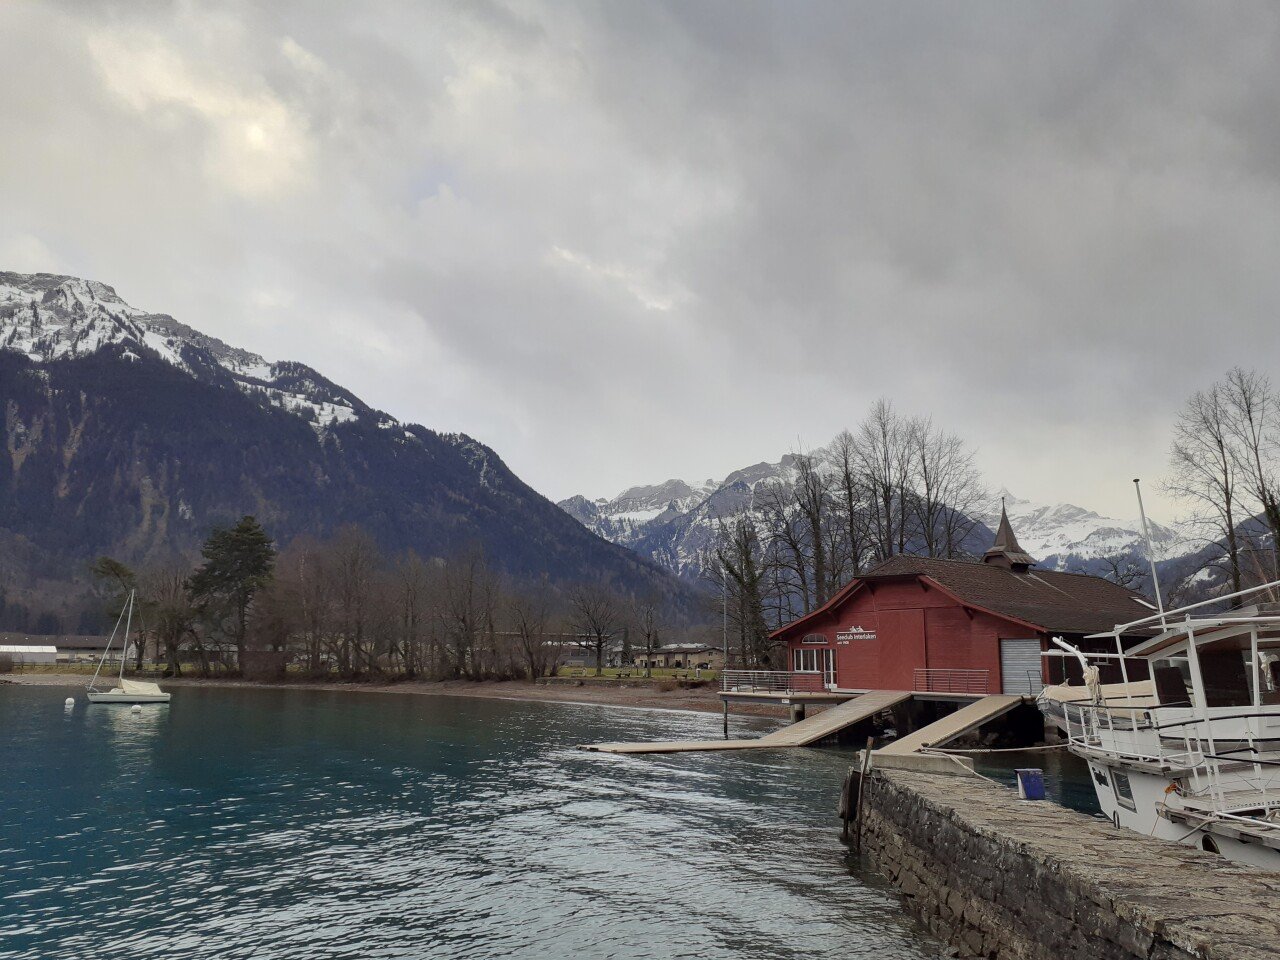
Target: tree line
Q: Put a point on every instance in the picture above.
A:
(895, 484)
(341, 607)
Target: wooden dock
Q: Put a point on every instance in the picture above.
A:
(802, 734)
(967, 718)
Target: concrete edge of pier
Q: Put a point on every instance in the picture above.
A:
(999, 877)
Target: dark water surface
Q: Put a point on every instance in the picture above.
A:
(241, 823)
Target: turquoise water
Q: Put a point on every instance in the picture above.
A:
(240, 823)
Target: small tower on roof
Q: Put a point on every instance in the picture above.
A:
(1006, 551)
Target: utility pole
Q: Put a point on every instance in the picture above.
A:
(724, 639)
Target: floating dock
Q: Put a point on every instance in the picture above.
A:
(801, 734)
(953, 725)
(834, 719)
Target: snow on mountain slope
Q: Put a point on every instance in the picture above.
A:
(49, 317)
(1064, 536)
(629, 516)
(674, 523)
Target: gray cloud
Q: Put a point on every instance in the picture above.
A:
(624, 241)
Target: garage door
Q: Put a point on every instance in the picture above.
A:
(1020, 666)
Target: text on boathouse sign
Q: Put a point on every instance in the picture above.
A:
(854, 633)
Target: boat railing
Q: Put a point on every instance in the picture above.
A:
(1115, 730)
(1218, 771)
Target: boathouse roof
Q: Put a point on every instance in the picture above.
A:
(1048, 599)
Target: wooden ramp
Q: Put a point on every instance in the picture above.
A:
(802, 734)
(969, 717)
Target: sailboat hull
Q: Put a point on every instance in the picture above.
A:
(114, 696)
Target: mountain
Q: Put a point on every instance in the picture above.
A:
(131, 434)
(1066, 537)
(674, 523)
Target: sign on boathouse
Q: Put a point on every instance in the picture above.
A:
(854, 633)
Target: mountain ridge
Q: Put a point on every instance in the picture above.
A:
(126, 432)
(676, 534)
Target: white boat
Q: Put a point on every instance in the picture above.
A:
(1196, 759)
(125, 691)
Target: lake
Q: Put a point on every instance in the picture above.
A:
(239, 823)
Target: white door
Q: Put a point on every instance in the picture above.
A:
(1020, 670)
(829, 669)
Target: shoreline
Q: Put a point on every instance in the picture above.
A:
(647, 696)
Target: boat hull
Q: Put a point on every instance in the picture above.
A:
(127, 697)
(1133, 799)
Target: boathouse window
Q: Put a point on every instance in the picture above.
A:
(1124, 792)
(806, 661)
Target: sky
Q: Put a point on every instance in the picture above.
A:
(621, 242)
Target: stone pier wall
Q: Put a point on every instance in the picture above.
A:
(997, 877)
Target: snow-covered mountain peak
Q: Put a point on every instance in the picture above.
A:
(51, 317)
(1063, 534)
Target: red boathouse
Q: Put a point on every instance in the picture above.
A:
(952, 626)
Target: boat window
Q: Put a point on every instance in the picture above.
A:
(1124, 792)
(1226, 678)
(1209, 845)
(1270, 671)
(1171, 685)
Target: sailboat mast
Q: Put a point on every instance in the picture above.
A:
(106, 650)
(1151, 554)
(124, 649)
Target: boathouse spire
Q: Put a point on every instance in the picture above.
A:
(1006, 551)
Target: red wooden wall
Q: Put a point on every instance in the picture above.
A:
(916, 625)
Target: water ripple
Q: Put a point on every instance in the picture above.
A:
(303, 824)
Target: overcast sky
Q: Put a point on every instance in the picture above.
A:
(626, 241)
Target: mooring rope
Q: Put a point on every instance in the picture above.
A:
(1048, 746)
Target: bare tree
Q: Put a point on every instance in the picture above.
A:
(647, 619)
(470, 596)
(170, 615)
(412, 589)
(851, 490)
(811, 493)
(353, 564)
(884, 454)
(738, 555)
(1124, 571)
(596, 613)
(948, 489)
(1253, 422)
(528, 612)
(1204, 471)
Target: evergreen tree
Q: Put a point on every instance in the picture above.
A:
(238, 563)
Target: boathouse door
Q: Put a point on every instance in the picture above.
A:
(1020, 669)
(829, 669)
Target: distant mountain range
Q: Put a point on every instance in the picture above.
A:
(128, 433)
(674, 522)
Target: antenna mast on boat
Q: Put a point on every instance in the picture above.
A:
(1151, 554)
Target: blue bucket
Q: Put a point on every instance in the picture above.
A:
(1030, 783)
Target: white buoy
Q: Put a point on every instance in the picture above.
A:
(136, 708)
(70, 702)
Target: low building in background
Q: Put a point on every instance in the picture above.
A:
(686, 656)
(70, 649)
(20, 654)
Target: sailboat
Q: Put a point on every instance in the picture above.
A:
(127, 691)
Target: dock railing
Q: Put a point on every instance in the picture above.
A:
(931, 680)
(771, 681)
